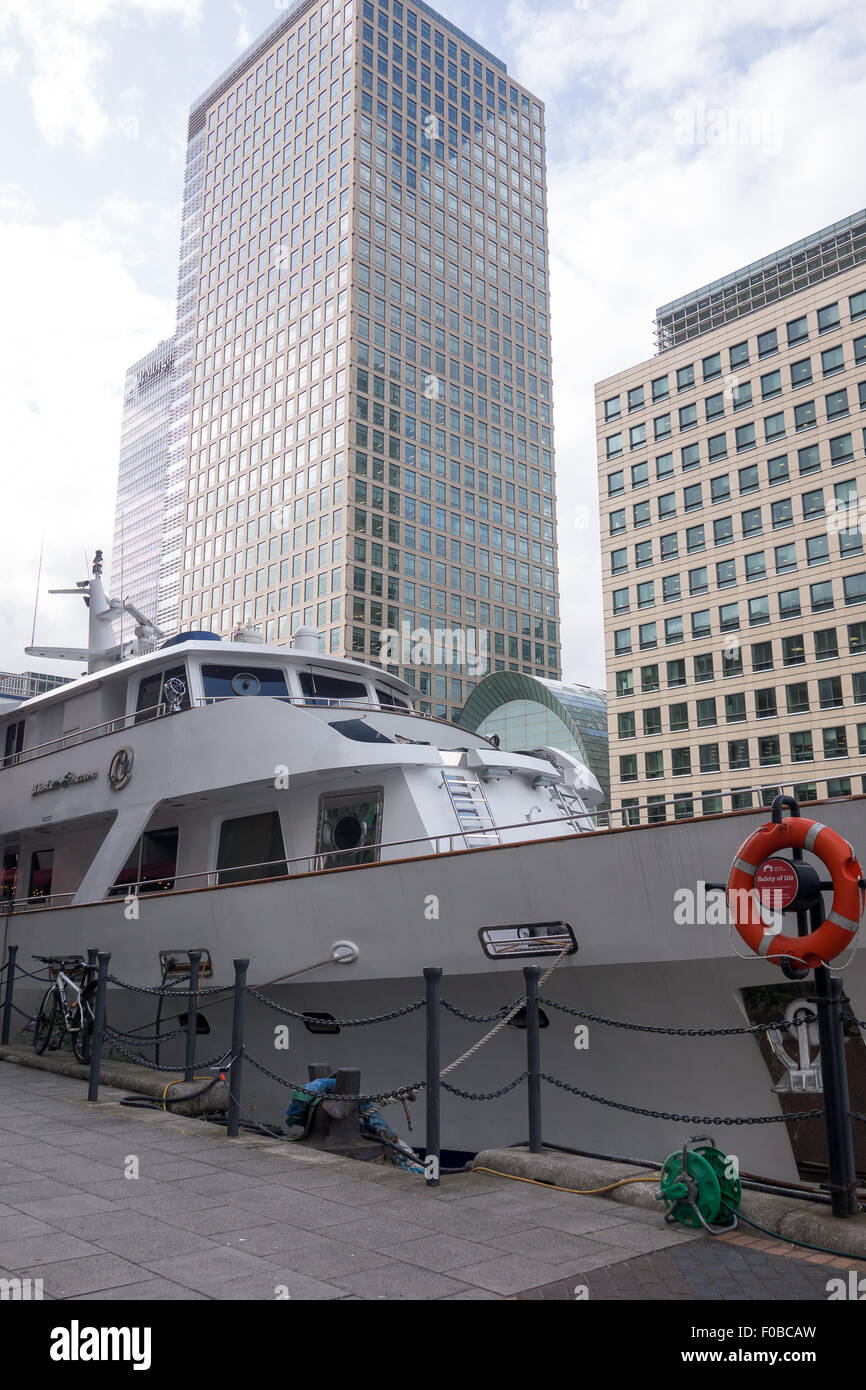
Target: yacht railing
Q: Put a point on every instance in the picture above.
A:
(77, 736)
(448, 842)
(143, 716)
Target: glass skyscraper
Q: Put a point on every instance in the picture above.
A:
(139, 523)
(361, 415)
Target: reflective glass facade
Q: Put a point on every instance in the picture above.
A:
(366, 416)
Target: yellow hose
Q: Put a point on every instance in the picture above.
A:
(577, 1191)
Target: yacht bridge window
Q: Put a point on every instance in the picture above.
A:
(162, 692)
(322, 688)
(223, 682)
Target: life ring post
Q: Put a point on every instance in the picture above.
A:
(820, 939)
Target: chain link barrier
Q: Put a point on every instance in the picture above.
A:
(684, 1119)
(485, 1095)
(669, 1032)
(391, 1097)
(340, 1022)
(110, 1037)
(481, 1018)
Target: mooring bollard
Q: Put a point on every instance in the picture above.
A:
(335, 1123)
(10, 985)
(235, 1071)
(433, 1151)
(191, 1014)
(103, 957)
(533, 1058)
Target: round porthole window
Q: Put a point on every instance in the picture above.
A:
(348, 832)
(244, 683)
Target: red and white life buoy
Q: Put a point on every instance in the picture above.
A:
(840, 925)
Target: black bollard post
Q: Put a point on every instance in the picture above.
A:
(533, 1058)
(103, 957)
(235, 1068)
(10, 985)
(842, 1184)
(433, 980)
(191, 1014)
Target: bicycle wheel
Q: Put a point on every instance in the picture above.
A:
(82, 1038)
(45, 1020)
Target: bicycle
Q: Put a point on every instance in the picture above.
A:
(77, 1016)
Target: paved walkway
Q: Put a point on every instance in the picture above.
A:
(209, 1218)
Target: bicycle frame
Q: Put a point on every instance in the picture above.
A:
(60, 983)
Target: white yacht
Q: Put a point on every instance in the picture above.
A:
(293, 808)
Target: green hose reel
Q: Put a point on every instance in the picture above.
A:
(700, 1186)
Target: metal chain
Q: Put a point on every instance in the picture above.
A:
(485, 1095)
(340, 1022)
(167, 992)
(685, 1119)
(154, 1066)
(384, 1097)
(150, 1042)
(480, 1018)
(671, 1032)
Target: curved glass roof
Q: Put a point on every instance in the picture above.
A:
(527, 712)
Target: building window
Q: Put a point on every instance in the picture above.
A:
(708, 754)
(738, 754)
(821, 596)
(805, 415)
(676, 676)
(735, 708)
(768, 343)
(797, 330)
(762, 656)
(678, 716)
(809, 459)
(628, 767)
(828, 318)
(826, 645)
(681, 762)
(793, 650)
(769, 750)
(654, 765)
(706, 713)
(660, 388)
(765, 703)
(801, 747)
(652, 720)
(797, 697)
(835, 742)
(855, 588)
(830, 692)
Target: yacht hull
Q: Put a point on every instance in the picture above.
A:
(619, 891)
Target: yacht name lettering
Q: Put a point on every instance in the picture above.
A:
(70, 780)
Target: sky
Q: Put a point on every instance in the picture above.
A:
(685, 139)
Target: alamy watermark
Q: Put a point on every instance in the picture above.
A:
(700, 124)
(454, 648)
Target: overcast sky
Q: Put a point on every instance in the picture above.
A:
(685, 139)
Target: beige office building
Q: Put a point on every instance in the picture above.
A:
(362, 434)
(733, 481)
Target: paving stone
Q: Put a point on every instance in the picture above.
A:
(91, 1274)
(397, 1281)
(208, 1269)
(26, 1251)
(443, 1253)
(151, 1290)
(509, 1274)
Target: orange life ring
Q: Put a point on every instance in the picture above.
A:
(842, 921)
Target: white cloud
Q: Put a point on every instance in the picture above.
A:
(66, 44)
(638, 216)
(73, 319)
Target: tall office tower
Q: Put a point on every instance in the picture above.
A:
(141, 481)
(364, 316)
(733, 480)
